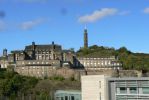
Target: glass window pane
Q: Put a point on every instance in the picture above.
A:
(72, 98)
(133, 90)
(145, 90)
(122, 90)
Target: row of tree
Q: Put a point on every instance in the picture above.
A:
(130, 60)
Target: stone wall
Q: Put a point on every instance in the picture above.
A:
(49, 71)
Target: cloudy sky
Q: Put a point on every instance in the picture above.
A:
(112, 23)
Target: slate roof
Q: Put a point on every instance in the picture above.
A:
(43, 47)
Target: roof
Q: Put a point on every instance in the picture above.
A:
(68, 51)
(128, 78)
(43, 47)
(69, 91)
(17, 51)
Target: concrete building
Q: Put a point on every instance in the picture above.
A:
(94, 87)
(100, 87)
(128, 88)
(68, 95)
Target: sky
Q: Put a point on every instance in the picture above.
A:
(110, 23)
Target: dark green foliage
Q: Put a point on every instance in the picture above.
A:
(12, 83)
(58, 78)
(93, 51)
(130, 60)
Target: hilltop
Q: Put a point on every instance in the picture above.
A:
(130, 60)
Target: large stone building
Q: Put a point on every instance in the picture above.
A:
(99, 63)
(51, 59)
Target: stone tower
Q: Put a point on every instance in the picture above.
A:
(85, 38)
(5, 52)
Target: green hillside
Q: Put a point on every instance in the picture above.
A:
(130, 60)
(15, 87)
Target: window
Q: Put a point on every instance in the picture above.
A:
(133, 90)
(99, 84)
(100, 96)
(66, 98)
(122, 90)
(105, 62)
(72, 98)
(62, 98)
(145, 90)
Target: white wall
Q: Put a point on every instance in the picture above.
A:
(93, 86)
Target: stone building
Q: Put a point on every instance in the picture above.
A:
(4, 59)
(50, 59)
(40, 60)
(99, 63)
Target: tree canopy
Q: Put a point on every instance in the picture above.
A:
(130, 60)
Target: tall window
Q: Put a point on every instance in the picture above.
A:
(145, 90)
(72, 98)
(62, 98)
(100, 96)
(99, 84)
(66, 98)
(133, 90)
(123, 90)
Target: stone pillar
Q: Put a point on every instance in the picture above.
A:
(85, 39)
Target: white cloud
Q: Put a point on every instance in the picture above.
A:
(31, 24)
(146, 11)
(97, 15)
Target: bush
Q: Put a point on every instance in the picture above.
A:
(58, 78)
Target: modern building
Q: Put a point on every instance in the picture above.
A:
(100, 87)
(94, 87)
(68, 95)
(128, 88)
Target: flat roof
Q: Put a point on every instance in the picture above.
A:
(127, 78)
(69, 91)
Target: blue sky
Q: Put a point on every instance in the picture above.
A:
(112, 23)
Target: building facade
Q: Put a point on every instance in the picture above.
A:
(128, 88)
(40, 60)
(94, 87)
(68, 95)
(46, 59)
(100, 87)
(99, 63)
